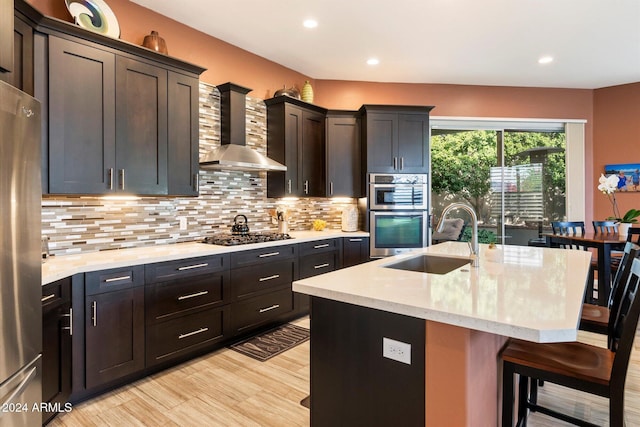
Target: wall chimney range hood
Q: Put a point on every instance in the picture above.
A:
(233, 154)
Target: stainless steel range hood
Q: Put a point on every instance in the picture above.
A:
(233, 153)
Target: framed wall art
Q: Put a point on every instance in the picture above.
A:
(628, 175)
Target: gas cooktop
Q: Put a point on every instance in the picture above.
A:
(243, 239)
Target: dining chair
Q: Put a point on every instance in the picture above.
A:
(605, 227)
(595, 318)
(576, 365)
(633, 235)
(568, 228)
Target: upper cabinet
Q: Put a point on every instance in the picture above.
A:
(6, 36)
(117, 118)
(396, 138)
(21, 75)
(296, 138)
(344, 157)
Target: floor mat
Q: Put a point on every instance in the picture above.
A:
(273, 342)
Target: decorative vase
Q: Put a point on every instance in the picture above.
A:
(154, 42)
(623, 229)
(350, 218)
(307, 92)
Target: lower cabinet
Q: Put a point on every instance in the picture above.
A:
(187, 307)
(56, 344)
(317, 257)
(355, 250)
(114, 324)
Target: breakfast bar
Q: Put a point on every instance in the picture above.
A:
(393, 344)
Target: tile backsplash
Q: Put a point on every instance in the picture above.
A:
(86, 224)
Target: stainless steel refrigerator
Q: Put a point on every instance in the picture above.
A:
(20, 259)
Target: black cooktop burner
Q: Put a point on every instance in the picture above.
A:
(233, 240)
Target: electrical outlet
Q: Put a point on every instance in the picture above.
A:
(396, 350)
(183, 222)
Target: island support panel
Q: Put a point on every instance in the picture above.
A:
(351, 382)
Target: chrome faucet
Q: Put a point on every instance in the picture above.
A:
(473, 245)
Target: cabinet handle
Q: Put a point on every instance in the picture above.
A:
(264, 279)
(321, 266)
(70, 327)
(47, 298)
(326, 245)
(401, 163)
(94, 311)
(289, 186)
(122, 179)
(331, 188)
(395, 163)
(273, 307)
(188, 334)
(355, 240)
(197, 294)
(190, 267)
(110, 178)
(306, 187)
(268, 255)
(196, 182)
(116, 279)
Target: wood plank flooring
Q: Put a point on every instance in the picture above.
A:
(226, 388)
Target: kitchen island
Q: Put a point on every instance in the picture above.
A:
(411, 348)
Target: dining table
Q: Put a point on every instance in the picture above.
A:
(603, 244)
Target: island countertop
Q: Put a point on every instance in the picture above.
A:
(529, 293)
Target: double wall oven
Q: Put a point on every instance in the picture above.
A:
(398, 213)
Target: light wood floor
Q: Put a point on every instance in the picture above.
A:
(226, 388)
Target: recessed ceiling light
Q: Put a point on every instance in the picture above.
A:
(373, 61)
(545, 60)
(310, 23)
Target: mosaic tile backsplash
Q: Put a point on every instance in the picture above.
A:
(88, 224)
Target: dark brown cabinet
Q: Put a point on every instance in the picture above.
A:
(21, 75)
(344, 154)
(355, 250)
(114, 325)
(396, 138)
(187, 307)
(261, 280)
(56, 344)
(317, 257)
(296, 138)
(6, 36)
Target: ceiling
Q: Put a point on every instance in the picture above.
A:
(594, 43)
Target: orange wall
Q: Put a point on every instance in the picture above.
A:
(616, 131)
(614, 110)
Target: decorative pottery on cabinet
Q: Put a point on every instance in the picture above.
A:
(94, 15)
(153, 41)
(307, 92)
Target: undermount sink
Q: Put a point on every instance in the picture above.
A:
(429, 264)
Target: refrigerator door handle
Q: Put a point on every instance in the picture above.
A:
(20, 387)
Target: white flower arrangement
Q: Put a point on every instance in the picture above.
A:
(609, 186)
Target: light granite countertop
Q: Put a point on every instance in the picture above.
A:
(522, 292)
(59, 267)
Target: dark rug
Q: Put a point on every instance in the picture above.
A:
(306, 402)
(273, 342)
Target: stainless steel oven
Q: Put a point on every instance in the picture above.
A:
(397, 191)
(394, 232)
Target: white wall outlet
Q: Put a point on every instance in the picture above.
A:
(183, 222)
(396, 350)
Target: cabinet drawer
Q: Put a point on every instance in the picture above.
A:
(318, 246)
(185, 268)
(55, 294)
(177, 337)
(177, 297)
(98, 282)
(313, 265)
(255, 311)
(266, 255)
(257, 278)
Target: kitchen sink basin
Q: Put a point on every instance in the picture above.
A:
(429, 264)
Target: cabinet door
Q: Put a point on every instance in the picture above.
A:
(114, 335)
(312, 154)
(81, 118)
(22, 74)
(183, 142)
(6, 35)
(141, 116)
(344, 161)
(413, 143)
(382, 142)
(355, 251)
(293, 135)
